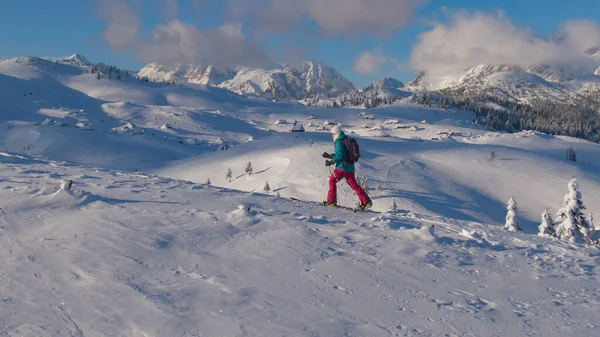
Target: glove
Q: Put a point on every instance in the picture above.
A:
(326, 155)
(329, 162)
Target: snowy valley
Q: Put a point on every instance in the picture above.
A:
(140, 244)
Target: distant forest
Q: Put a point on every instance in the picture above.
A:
(579, 118)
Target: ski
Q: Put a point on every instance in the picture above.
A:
(336, 207)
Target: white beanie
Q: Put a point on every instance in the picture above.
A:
(336, 129)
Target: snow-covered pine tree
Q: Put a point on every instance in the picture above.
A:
(512, 223)
(547, 226)
(393, 206)
(573, 225)
(267, 188)
(249, 168)
(229, 174)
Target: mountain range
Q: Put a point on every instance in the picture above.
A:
(519, 83)
(312, 79)
(284, 82)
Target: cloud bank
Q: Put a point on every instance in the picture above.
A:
(176, 41)
(468, 40)
(347, 18)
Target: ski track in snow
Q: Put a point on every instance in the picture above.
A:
(141, 247)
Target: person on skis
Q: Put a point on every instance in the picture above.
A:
(343, 170)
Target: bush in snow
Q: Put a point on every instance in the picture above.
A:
(208, 181)
(229, 174)
(570, 155)
(547, 226)
(393, 206)
(573, 225)
(267, 188)
(249, 168)
(512, 223)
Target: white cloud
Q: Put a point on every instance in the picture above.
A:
(332, 17)
(123, 25)
(368, 63)
(358, 17)
(178, 42)
(472, 39)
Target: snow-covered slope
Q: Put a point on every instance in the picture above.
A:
(141, 247)
(280, 82)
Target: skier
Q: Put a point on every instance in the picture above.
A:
(343, 170)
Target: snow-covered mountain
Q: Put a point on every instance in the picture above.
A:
(280, 83)
(386, 87)
(385, 84)
(75, 60)
(517, 83)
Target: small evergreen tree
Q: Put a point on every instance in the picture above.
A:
(249, 168)
(512, 223)
(574, 226)
(208, 182)
(547, 226)
(570, 155)
(267, 188)
(393, 206)
(229, 174)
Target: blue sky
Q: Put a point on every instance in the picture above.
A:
(60, 28)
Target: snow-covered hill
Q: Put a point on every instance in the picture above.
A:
(141, 246)
(279, 83)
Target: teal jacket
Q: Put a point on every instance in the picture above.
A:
(341, 155)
